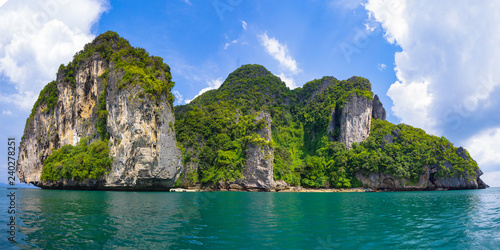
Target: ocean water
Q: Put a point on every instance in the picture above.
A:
(59, 219)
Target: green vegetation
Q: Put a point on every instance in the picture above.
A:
(47, 99)
(131, 66)
(214, 130)
(411, 150)
(102, 112)
(81, 162)
(136, 64)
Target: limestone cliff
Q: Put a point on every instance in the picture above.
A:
(355, 120)
(426, 181)
(435, 173)
(138, 123)
(258, 173)
(378, 109)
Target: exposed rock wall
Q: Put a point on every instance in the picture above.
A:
(355, 120)
(378, 109)
(429, 180)
(258, 171)
(74, 117)
(426, 181)
(142, 138)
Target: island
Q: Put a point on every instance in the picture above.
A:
(108, 123)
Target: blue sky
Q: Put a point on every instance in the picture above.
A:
(432, 64)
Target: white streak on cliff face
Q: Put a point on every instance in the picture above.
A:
(355, 120)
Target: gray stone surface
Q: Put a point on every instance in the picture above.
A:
(142, 138)
(426, 181)
(258, 173)
(378, 109)
(355, 120)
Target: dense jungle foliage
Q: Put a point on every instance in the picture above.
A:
(213, 132)
(80, 162)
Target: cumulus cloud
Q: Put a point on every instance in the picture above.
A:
(244, 24)
(288, 81)
(483, 147)
(37, 36)
(279, 52)
(212, 84)
(448, 67)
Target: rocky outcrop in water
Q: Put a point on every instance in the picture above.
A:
(140, 127)
(432, 178)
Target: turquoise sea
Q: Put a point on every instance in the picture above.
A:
(59, 219)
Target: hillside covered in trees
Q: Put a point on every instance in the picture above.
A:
(309, 127)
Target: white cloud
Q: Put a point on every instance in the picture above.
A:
(381, 66)
(178, 96)
(23, 100)
(484, 146)
(212, 84)
(37, 36)
(6, 112)
(412, 98)
(369, 27)
(2, 2)
(279, 52)
(230, 43)
(288, 81)
(492, 178)
(244, 24)
(448, 66)
(187, 1)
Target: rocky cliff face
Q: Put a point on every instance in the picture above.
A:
(143, 139)
(140, 128)
(426, 181)
(72, 118)
(355, 120)
(258, 171)
(432, 178)
(378, 109)
(458, 180)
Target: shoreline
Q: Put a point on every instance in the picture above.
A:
(288, 190)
